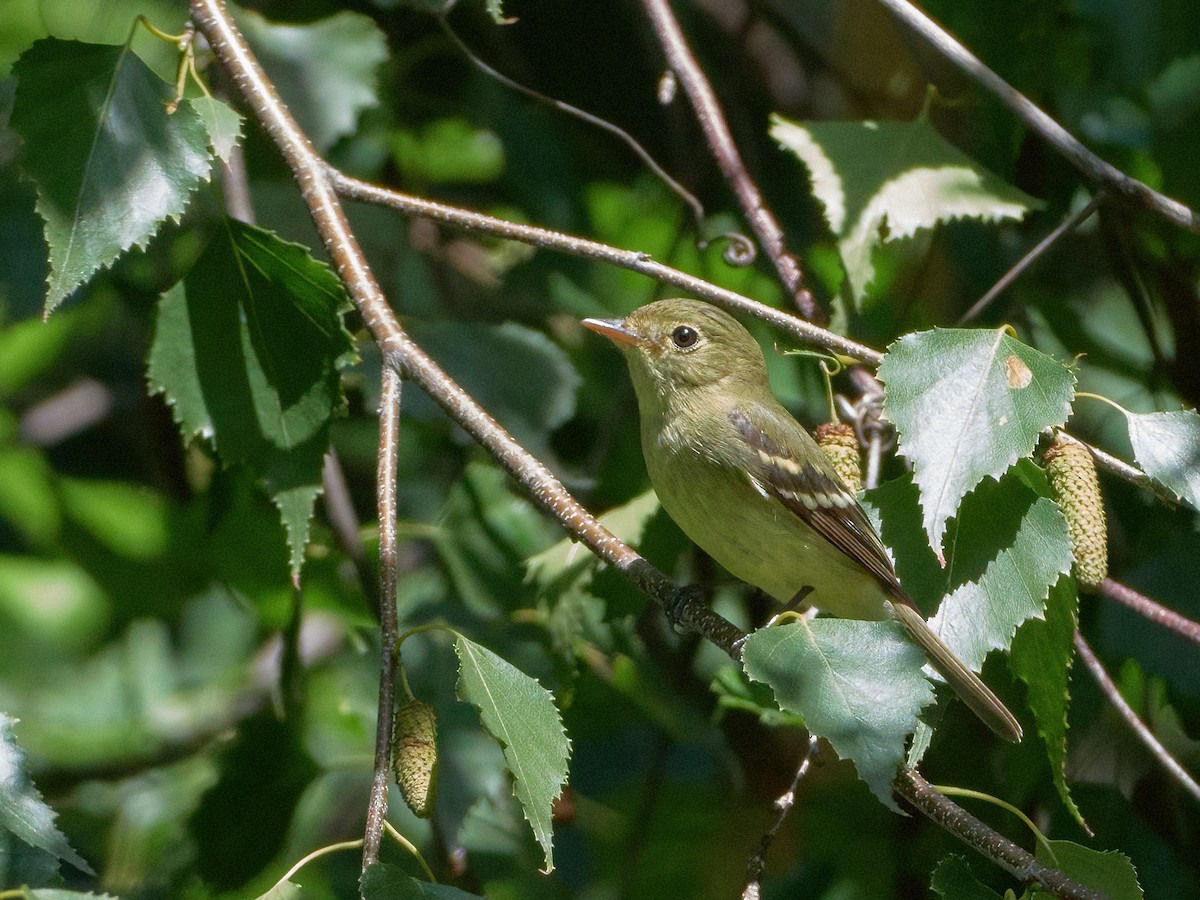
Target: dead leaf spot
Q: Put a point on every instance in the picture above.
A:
(1017, 373)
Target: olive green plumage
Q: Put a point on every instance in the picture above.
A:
(1076, 488)
(748, 484)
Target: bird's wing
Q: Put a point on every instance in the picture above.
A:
(813, 493)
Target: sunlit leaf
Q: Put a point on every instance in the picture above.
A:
(967, 405)
(882, 181)
(1105, 870)
(25, 817)
(1167, 446)
(859, 685)
(1026, 546)
(520, 714)
(224, 126)
(110, 164)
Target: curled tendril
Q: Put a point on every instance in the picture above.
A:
(741, 251)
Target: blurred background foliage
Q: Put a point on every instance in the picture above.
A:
(199, 726)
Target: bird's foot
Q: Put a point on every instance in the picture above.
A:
(677, 602)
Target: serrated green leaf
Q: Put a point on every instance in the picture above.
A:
(520, 714)
(224, 126)
(110, 165)
(954, 880)
(246, 351)
(24, 816)
(967, 404)
(1167, 446)
(859, 685)
(1027, 547)
(880, 181)
(325, 71)
(1042, 654)
(1105, 870)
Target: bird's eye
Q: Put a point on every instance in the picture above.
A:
(685, 336)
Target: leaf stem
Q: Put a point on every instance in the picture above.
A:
(316, 854)
(1088, 395)
(410, 847)
(951, 791)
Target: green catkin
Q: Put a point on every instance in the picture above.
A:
(1076, 489)
(414, 755)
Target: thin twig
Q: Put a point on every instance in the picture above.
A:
(583, 115)
(633, 260)
(1070, 223)
(1068, 146)
(1123, 470)
(720, 142)
(1139, 728)
(1015, 860)
(385, 486)
(784, 803)
(1151, 609)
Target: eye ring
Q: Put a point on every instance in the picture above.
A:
(685, 337)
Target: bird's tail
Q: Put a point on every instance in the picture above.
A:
(970, 689)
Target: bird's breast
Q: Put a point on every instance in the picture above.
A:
(754, 536)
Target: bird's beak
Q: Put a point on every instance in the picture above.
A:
(616, 331)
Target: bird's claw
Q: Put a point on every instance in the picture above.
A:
(677, 602)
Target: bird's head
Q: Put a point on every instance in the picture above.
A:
(674, 345)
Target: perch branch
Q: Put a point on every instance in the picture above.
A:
(716, 131)
(1091, 166)
(1140, 729)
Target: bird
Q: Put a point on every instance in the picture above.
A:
(748, 485)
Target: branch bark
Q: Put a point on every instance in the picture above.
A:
(1151, 609)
